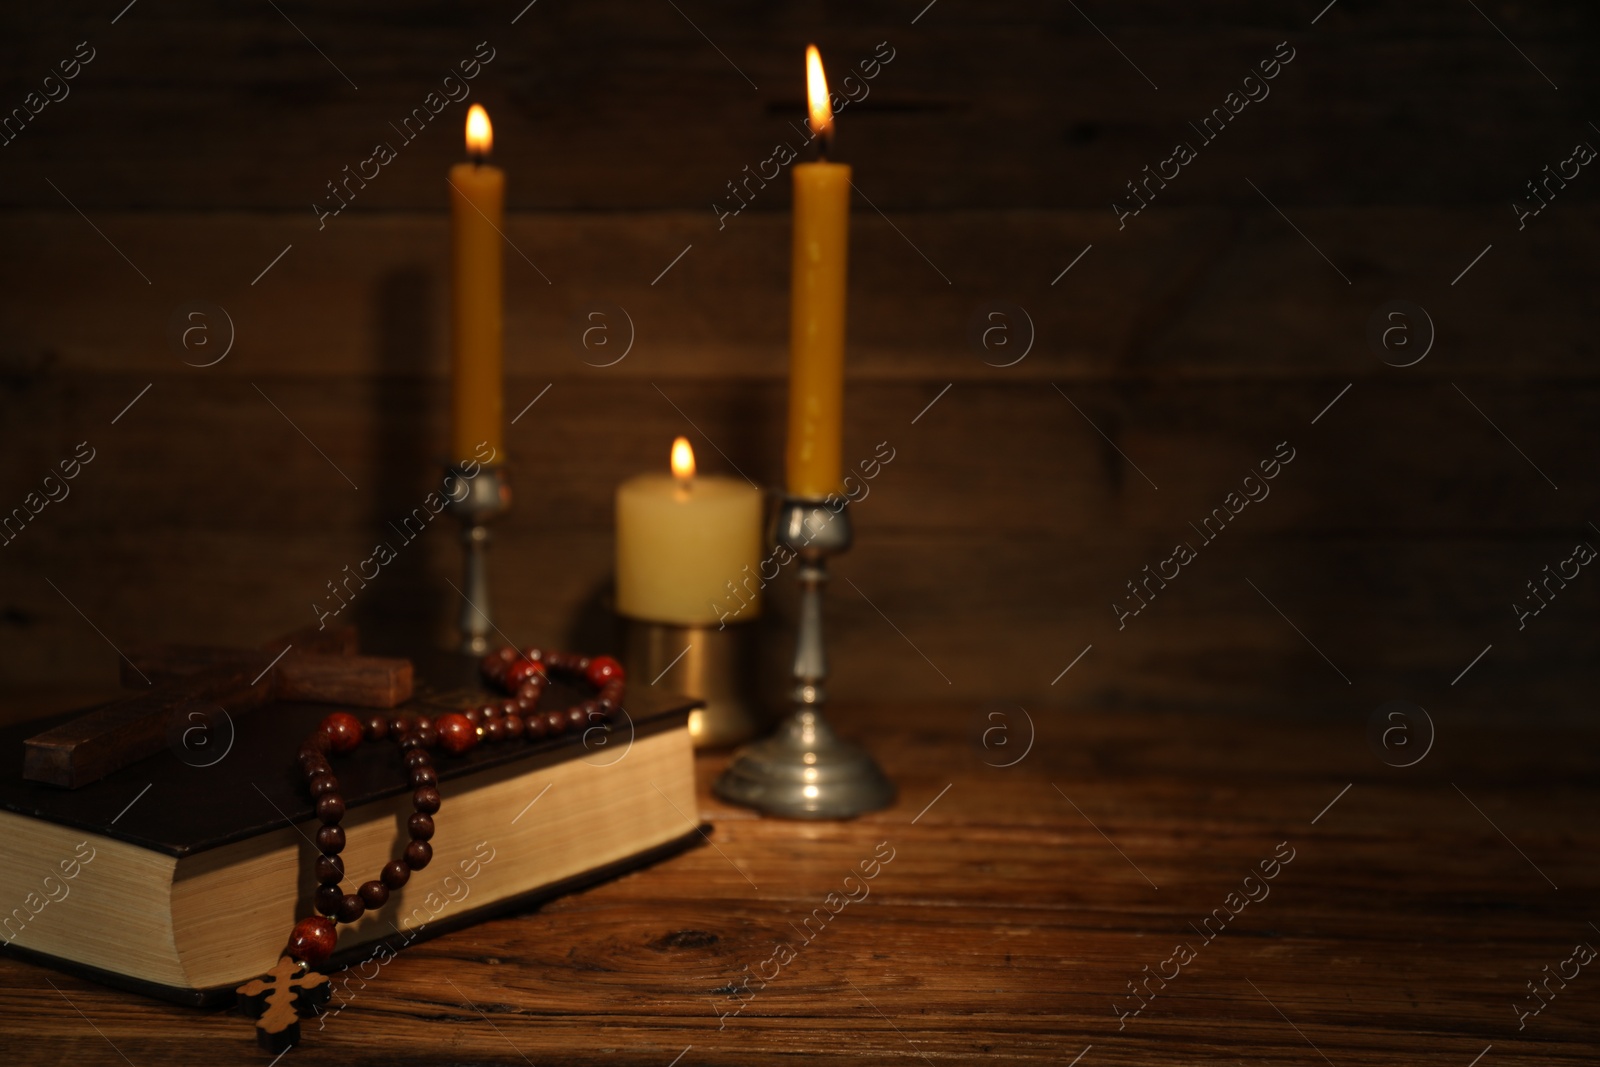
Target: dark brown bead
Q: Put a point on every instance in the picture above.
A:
(578, 716)
(421, 776)
(555, 722)
(323, 784)
(330, 870)
(525, 705)
(397, 726)
(532, 691)
(418, 854)
(417, 757)
(490, 711)
(330, 840)
(343, 730)
(374, 894)
(395, 874)
(420, 826)
(319, 741)
(534, 727)
(327, 899)
(351, 908)
(494, 731)
(312, 940)
(519, 671)
(421, 722)
(511, 727)
(426, 799)
(473, 715)
(375, 728)
(506, 707)
(429, 736)
(410, 742)
(330, 808)
(311, 761)
(505, 654)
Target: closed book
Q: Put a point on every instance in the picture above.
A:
(183, 880)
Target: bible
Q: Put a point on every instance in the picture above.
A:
(179, 875)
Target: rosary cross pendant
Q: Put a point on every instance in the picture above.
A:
(280, 998)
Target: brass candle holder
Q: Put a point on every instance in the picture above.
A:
(714, 664)
(804, 770)
(488, 497)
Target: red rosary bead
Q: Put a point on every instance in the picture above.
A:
(603, 669)
(344, 732)
(457, 734)
(312, 940)
(521, 671)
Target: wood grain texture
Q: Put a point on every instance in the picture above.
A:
(1202, 292)
(1013, 913)
(1036, 105)
(995, 542)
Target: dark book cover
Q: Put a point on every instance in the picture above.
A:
(186, 800)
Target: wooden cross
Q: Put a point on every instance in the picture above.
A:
(312, 665)
(280, 998)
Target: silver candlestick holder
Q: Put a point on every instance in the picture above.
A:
(804, 770)
(488, 497)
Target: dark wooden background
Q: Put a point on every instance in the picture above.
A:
(987, 157)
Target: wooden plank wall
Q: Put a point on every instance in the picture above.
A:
(1176, 353)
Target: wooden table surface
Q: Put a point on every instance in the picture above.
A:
(1020, 903)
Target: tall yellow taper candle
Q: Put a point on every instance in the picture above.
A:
(477, 209)
(816, 305)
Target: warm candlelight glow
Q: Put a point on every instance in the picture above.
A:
(817, 94)
(480, 135)
(682, 461)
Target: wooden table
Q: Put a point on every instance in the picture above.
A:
(1019, 904)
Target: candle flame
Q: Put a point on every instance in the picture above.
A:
(682, 460)
(480, 135)
(817, 94)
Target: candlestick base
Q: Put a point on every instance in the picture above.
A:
(713, 665)
(486, 498)
(804, 770)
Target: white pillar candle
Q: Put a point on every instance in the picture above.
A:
(682, 538)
